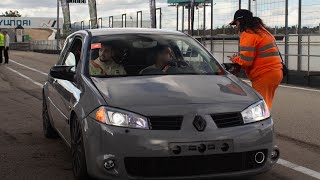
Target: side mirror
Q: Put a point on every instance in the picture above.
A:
(191, 53)
(62, 72)
(224, 66)
(232, 68)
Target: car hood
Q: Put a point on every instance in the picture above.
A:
(174, 90)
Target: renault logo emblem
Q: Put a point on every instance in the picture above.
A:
(199, 123)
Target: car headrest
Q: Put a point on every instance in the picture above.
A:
(94, 54)
(150, 57)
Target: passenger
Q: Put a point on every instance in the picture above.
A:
(162, 58)
(105, 64)
(259, 55)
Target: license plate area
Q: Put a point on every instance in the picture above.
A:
(201, 148)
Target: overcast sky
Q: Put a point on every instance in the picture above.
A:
(272, 12)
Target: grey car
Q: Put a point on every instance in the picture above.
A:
(161, 108)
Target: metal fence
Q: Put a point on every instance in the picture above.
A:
(295, 22)
(304, 66)
(282, 16)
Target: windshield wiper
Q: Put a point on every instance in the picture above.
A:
(192, 73)
(109, 76)
(187, 73)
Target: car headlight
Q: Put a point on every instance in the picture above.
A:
(116, 117)
(256, 112)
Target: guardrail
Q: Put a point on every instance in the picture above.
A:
(46, 45)
(43, 46)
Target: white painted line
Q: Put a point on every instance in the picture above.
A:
(33, 69)
(300, 169)
(291, 87)
(26, 77)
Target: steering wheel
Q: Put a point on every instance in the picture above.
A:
(176, 63)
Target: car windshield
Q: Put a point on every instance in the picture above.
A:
(149, 54)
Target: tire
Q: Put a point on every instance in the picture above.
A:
(79, 165)
(48, 130)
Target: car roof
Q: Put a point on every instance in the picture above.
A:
(112, 31)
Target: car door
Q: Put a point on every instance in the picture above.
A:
(53, 96)
(66, 93)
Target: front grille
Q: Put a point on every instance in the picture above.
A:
(191, 165)
(227, 119)
(166, 122)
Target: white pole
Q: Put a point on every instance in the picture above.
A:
(198, 21)
(256, 7)
(58, 25)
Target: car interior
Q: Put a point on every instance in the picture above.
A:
(133, 59)
(137, 54)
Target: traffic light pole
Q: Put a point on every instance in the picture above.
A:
(153, 13)
(192, 17)
(66, 17)
(299, 37)
(93, 13)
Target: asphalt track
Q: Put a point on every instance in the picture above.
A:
(26, 155)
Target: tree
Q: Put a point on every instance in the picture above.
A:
(11, 14)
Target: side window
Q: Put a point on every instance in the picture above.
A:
(72, 56)
(65, 48)
(71, 61)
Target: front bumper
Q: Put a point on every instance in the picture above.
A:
(104, 143)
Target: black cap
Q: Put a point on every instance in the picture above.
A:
(241, 14)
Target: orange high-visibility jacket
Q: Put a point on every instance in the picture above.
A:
(258, 53)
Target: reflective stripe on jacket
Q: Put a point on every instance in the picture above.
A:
(258, 53)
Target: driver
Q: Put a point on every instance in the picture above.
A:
(105, 64)
(163, 56)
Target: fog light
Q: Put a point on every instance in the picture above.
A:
(109, 164)
(176, 150)
(275, 154)
(202, 148)
(259, 157)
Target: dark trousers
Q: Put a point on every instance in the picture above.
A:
(1, 49)
(6, 55)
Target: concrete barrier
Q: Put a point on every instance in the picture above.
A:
(23, 46)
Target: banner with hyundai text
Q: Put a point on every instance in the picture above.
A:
(29, 22)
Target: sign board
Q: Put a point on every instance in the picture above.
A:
(29, 22)
(76, 1)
